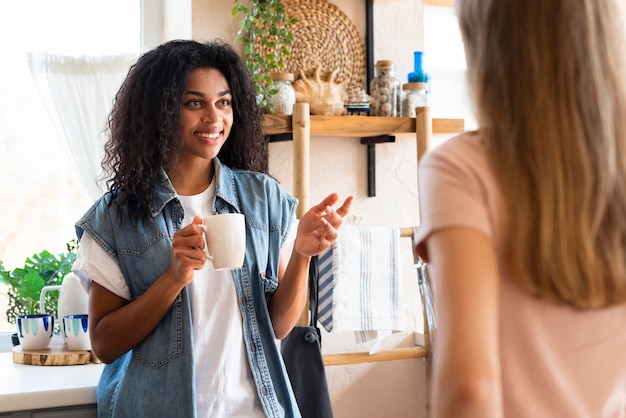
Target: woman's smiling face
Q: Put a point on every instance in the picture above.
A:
(207, 114)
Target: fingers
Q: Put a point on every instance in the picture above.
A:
(318, 228)
(335, 217)
(188, 246)
(328, 230)
(329, 200)
(331, 219)
(194, 228)
(345, 208)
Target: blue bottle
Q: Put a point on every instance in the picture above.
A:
(418, 75)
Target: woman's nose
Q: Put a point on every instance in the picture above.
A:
(210, 115)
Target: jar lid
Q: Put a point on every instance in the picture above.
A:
(415, 86)
(282, 76)
(385, 63)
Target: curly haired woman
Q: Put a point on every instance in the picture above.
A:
(181, 339)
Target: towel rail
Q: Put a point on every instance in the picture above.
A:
(384, 355)
(406, 232)
(365, 357)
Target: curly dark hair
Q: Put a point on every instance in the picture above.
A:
(144, 124)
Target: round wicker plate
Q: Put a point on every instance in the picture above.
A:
(325, 37)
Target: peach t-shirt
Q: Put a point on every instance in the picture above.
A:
(556, 361)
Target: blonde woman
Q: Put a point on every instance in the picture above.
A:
(524, 220)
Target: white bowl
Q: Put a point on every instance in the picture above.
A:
(35, 331)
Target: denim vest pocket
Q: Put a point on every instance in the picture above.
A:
(166, 341)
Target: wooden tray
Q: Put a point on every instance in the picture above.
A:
(56, 355)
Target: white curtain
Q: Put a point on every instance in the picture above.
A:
(78, 93)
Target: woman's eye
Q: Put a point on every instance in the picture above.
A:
(194, 103)
(224, 102)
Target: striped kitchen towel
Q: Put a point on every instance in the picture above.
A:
(325, 288)
(364, 281)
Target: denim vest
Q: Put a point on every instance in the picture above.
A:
(156, 378)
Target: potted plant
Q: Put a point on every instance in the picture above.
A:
(24, 284)
(265, 32)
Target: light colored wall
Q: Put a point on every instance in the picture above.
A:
(390, 389)
(387, 389)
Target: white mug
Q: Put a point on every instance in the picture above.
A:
(76, 332)
(225, 236)
(35, 331)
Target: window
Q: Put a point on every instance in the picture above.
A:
(41, 196)
(444, 58)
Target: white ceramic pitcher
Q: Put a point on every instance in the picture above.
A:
(73, 299)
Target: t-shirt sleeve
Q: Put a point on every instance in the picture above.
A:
(452, 191)
(94, 263)
(291, 236)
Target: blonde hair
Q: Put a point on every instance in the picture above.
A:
(548, 82)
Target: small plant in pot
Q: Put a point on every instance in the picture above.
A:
(24, 283)
(265, 32)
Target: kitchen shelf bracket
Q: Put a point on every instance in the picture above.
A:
(287, 136)
(371, 142)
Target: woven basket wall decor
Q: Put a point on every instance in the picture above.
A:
(324, 37)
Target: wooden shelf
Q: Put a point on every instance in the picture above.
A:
(359, 126)
(371, 129)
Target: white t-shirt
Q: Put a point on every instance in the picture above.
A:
(224, 383)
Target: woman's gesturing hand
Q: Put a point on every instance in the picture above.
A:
(318, 227)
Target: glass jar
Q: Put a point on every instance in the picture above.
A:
(386, 90)
(414, 95)
(285, 96)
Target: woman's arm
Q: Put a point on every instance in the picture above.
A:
(466, 381)
(316, 232)
(117, 325)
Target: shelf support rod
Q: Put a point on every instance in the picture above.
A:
(301, 156)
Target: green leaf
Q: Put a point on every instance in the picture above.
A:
(268, 26)
(24, 284)
(31, 285)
